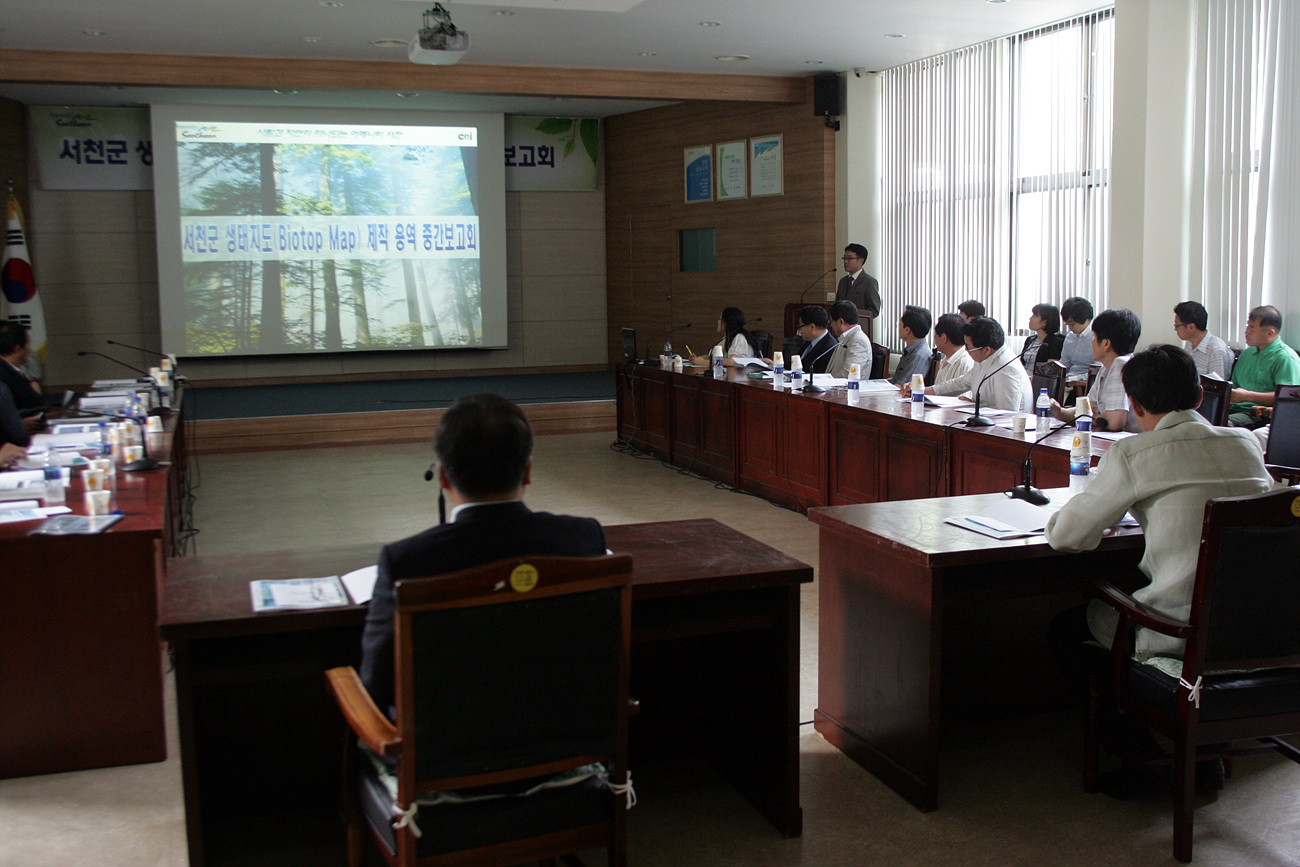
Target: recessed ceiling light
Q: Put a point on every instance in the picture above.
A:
(284, 91)
(648, 54)
(93, 33)
(311, 39)
(504, 13)
(331, 4)
(710, 23)
(388, 42)
(813, 62)
(893, 35)
(995, 2)
(725, 57)
(407, 94)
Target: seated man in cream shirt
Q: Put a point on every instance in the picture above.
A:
(854, 346)
(999, 383)
(951, 344)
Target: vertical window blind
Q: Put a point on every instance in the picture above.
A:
(1246, 232)
(996, 172)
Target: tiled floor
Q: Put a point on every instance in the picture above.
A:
(1010, 792)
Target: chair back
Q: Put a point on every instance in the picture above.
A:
(1246, 601)
(879, 361)
(1283, 453)
(1215, 400)
(762, 343)
(933, 369)
(511, 670)
(1051, 376)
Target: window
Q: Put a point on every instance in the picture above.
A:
(699, 251)
(996, 165)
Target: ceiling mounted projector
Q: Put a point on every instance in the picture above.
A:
(439, 42)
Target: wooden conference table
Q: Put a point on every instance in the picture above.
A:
(833, 448)
(81, 675)
(923, 622)
(715, 664)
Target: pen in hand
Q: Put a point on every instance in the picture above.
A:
(688, 351)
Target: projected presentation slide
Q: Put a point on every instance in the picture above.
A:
(325, 237)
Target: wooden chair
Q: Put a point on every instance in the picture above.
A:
(1243, 618)
(1051, 376)
(506, 675)
(1215, 400)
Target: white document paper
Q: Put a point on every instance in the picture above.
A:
(9, 515)
(745, 361)
(1006, 519)
(294, 593)
(361, 584)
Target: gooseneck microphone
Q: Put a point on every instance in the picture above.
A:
(812, 365)
(814, 283)
(144, 373)
(1026, 490)
(978, 420)
(136, 348)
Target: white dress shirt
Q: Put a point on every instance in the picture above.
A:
(1212, 355)
(958, 364)
(1001, 380)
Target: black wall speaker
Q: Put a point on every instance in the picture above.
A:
(826, 94)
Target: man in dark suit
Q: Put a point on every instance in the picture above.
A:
(484, 447)
(15, 347)
(858, 286)
(820, 343)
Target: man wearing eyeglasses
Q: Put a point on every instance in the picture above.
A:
(858, 286)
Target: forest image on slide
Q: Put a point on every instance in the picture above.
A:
(402, 286)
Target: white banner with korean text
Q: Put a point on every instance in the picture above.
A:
(92, 148)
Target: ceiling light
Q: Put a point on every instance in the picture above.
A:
(331, 4)
(284, 91)
(710, 23)
(504, 13)
(893, 35)
(311, 39)
(388, 42)
(407, 94)
(93, 33)
(995, 2)
(813, 62)
(648, 54)
(726, 57)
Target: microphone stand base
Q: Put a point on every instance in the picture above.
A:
(141, 465)
(1029, 494)
(978, 421)
(813, 389)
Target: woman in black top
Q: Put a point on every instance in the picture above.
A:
(1046, 341)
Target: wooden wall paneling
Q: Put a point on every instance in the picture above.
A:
(762, 418)
(911, 467)
(856, 448)
(768, 247)
(684, 420)
(657, 413)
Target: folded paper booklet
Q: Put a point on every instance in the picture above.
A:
(291, 593)
(1007, 519)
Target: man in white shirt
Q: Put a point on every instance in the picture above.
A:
(951, 344)
(995, 379)
(854, 346)
(1212, 355)
(1076, 352)
(1115, 334)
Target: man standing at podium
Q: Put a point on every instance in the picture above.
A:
(858, 286)
(484, 447)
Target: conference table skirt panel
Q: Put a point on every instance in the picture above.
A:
(834, 448)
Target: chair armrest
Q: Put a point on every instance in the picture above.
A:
(1141, 614)
(373, 728)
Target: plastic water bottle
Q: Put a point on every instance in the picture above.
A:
(918, 388)
(855, 377)
(796, 373)
(105, 442)
(668, 347)
(1081, 455)
(778, 371)
(55, 495)
(719, 369)
(1043, 409)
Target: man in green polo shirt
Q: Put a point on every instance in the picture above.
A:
(1265, 363)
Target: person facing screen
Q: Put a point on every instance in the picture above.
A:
(735, 340)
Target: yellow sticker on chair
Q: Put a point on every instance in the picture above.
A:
(523, 578)
(1295, 507)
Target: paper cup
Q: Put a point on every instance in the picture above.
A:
(1018, 423)
(104, 465)
(132, 453)
(97, 502)
(94, 480)
(154, 424)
